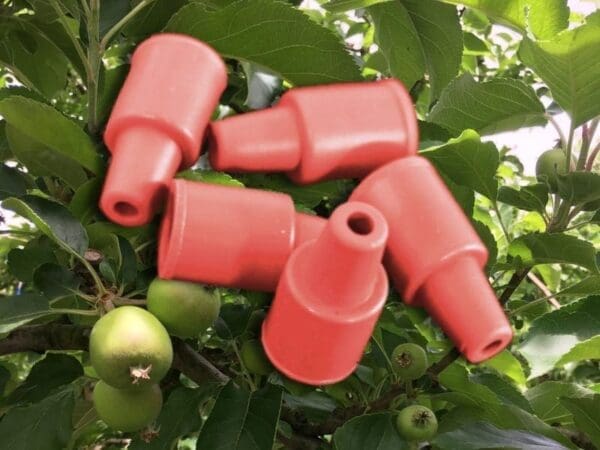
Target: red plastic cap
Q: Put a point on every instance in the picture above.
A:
(329, 298)
(132, 197)
(460, 299)
(158, 122)
(253, 142)
(308, 227)
(430, 237)
(228, 236)
(322, 132)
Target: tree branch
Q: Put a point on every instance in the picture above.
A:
(441, 365)
(454, 354)
(194, 365)
(513, 284)
(40, 338)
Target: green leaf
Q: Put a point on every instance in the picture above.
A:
(152, 18)
(585, 413)
(128, 266)
(4, 379)
(374, 431)
(587, 286)
(22, 262)
(233, 319)
(111, 81)
(338, 6)
(308, 196)
(42, 426)
(579, 187)
(473, 45)
(554, 334)
(545, 400)
(48, 22)
(587, 350)
(12, 182)
(544, 18)
(489, 107)
(304, 53)
(528, 198)
(4, 149)
(179, 416)
(503, 389)
(52, 372)
(210, 176)
(566, 63)
(55, 281)
(84, 203)
(463, 195)
(21, 309)
(548, 248)
(441, 37)
(456, 378)
(478, 435)
(486, 236)
(507, 364)
(44, 124)
(110, 13)
(34, 59)
(469, 162)
(52, 219)
(506, 417)
(41, 160)
(315, 405)
(241, 420)
(393, 25)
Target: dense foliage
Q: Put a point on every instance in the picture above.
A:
(472, 70)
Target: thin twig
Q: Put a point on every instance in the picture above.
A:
(121, 23)
(501, 221)
(592, 158)
(542, 287)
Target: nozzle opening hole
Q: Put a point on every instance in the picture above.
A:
(126, 209)
(492, 346)
(360, 223)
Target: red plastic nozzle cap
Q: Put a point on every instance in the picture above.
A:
(158, 122)
(308, 227)
(330, 295)
(270, 139)
(131, 197)
(433, 248)
(228, 236)
(460, 299)
(322, 132)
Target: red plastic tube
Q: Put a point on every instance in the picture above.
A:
(230, 236)
(329, 298)
(435, 257)
(158, 122)
(322, 132)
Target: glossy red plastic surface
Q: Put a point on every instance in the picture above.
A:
(158, 122)
(322, 132)
(230, 236)
(329, 298)
(435, 257)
